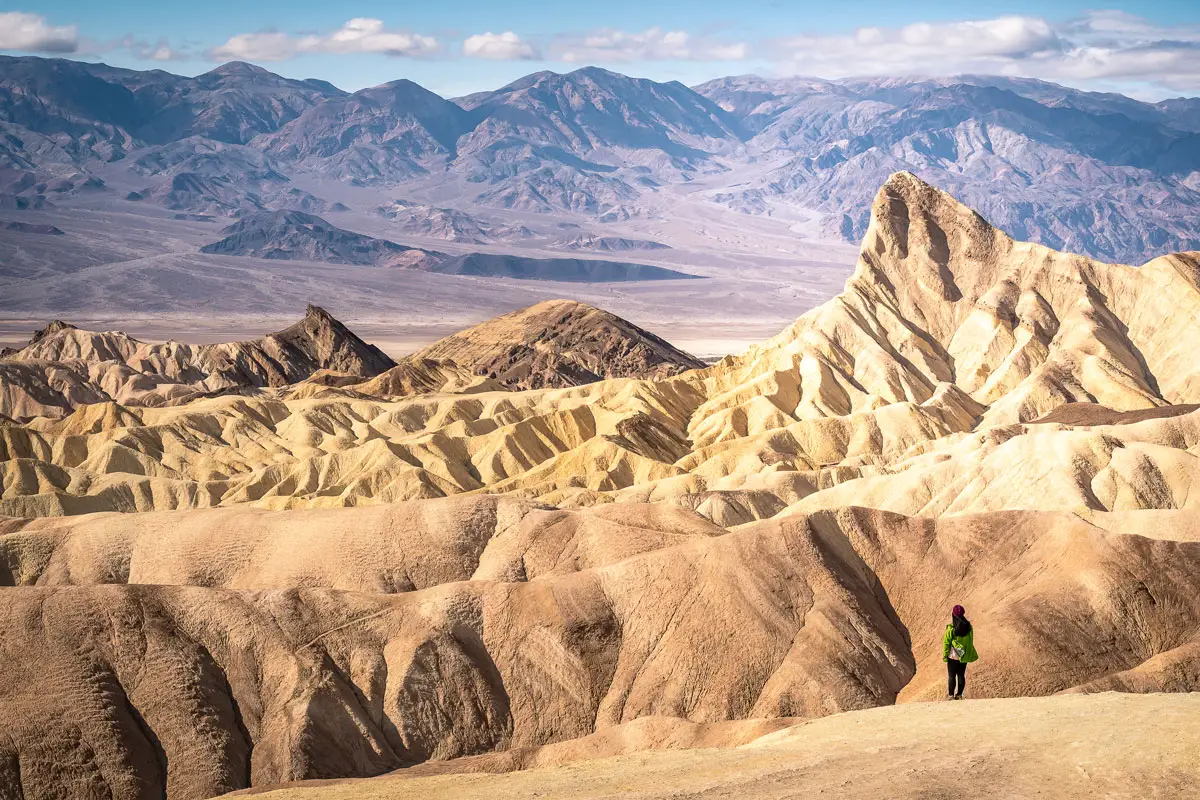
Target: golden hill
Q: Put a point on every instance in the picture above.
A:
(560, 343)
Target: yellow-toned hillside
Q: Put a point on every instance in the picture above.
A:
(912, 390)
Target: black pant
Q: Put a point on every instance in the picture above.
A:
(958, 673)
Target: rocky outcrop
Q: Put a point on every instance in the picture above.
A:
(560, 343)
(294, 235)
(63, 367)
(30, 227)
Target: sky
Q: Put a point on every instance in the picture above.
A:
(1150, 50)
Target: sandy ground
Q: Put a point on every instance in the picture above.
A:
(1070, 746)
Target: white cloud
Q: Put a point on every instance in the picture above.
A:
(266, 46)
(359, 35)
(30, 33)
(1099, 47)
(505, 46)
(1117, 46)
(1004, 36)
(160, 50)
(164, 53)
(364, 35)
(923, 47)
(654, 44)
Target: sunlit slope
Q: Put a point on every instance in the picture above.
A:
(947, 328)
(1132, 745)
(258, 647)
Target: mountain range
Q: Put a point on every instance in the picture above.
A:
(1099, 174)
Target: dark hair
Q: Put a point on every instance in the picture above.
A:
(960, 625)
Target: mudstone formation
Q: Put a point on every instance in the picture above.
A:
(554, 537)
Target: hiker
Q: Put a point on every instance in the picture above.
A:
(958, 650)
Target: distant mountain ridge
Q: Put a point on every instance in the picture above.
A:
(557, 343)
(1062, 167)
(297, 236)
(64, 367)
(108, 109)
(294, 235)
(375, 135)
(1100, 174)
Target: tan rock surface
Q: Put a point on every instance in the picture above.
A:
(337, 578)
(1110, 745)
(385, 549)
(560, 343)
(64, 367)
(230, 688)
(1142, 465)
(573, 623)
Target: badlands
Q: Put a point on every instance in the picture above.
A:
(555, 555)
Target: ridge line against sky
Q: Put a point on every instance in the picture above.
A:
(1152, 53)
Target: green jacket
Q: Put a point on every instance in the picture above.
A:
(967, 643)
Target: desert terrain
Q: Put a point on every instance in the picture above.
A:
(892, 752)
(555, 553)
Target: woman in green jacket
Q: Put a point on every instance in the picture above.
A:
(958, 650)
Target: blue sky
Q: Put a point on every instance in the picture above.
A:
(1151, 49)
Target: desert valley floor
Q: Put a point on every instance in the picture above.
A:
(119, 264)
(555, 554)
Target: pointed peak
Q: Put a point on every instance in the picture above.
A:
(318, 319)
(238, 68)
(51, 329)
(904, 196)
(903, 178)
(399, 83)
(560, 343)
(402, 89)
(558, 304)
(923, 242)
(332, 345)
(533, 79)
(598, 72)
(312, 312)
